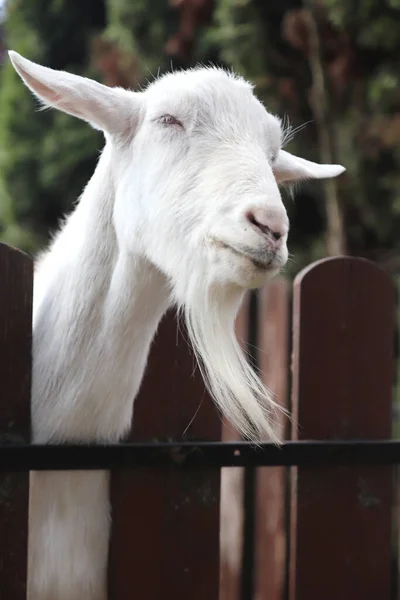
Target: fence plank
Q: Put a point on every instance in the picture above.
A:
(232, 497)
(270, 541)
(16, 276)
(165, 540)
(342, 371)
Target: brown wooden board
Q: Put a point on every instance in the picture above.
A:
(342, 389)
(232, 497)
(16, 277)
(270, 538)
(165, 535)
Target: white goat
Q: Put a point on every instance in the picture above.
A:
(183, 208)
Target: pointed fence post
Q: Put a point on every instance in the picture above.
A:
(16, 277)
(342, 389)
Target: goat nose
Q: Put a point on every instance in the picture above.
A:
(269, 222)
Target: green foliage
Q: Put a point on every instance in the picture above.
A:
(142, 32)
(45, 158)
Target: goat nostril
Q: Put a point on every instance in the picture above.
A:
(253, 220)
(263, 227)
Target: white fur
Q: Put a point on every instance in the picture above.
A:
(164, 220)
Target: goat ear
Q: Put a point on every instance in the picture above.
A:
(109, 109)
(288, 167)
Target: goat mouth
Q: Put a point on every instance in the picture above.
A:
(260, 265)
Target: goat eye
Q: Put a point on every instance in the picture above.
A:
(170, 120)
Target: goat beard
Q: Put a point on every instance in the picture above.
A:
(210, 314)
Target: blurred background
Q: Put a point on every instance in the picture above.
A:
(333, 65)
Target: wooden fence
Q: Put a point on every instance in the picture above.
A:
(239, 533)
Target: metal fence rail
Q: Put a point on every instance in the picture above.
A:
(24, 457)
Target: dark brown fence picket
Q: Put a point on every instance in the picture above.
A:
(342, 389)
(270, 531)
(165, 534)
(16, 277)
(232, 496)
